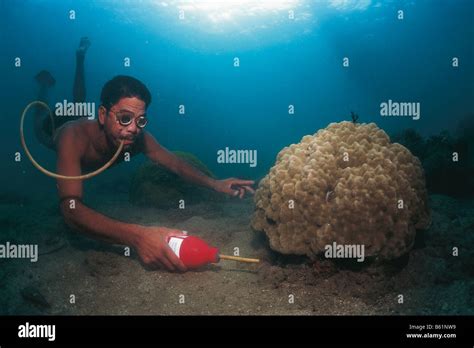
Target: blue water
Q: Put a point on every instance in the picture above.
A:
(282, 61)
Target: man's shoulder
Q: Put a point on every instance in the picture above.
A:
(78, 132)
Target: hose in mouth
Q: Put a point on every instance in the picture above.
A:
(52, 174)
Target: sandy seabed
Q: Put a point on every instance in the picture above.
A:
(104, 281)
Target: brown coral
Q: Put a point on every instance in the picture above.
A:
(346, 184)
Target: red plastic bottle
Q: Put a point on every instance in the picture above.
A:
(193, 251)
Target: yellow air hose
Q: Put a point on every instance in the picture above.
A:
(47, 172)
(237, 258)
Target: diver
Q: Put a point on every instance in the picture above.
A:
(82, 145)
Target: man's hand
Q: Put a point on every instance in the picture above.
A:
(154, 251)
(234, 187)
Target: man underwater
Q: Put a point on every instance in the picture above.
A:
(84, 145)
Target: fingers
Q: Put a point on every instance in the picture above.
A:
(176, 233)
(243, 182)
(249, 189)
(161, 260)
(240, 191)
(174, 261)
(152, 263)
(167, 263)
(162, 256)
(169, 258)
(238, 187)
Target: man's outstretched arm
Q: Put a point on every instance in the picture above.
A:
(161, 155)
(150, 242)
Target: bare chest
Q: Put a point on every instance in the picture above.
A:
(93, 159)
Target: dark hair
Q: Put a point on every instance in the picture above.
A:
(122, 86)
